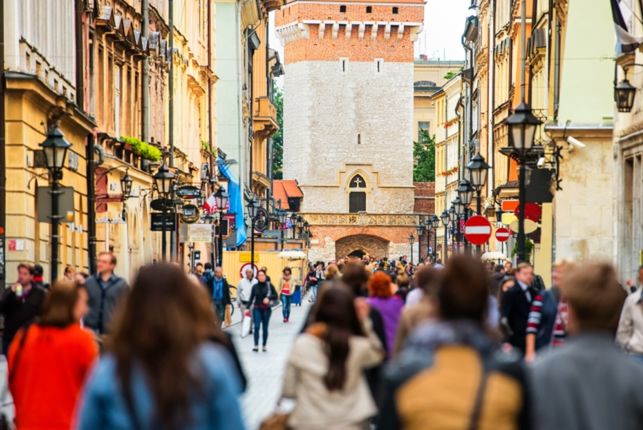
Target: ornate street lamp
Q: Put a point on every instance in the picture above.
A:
(55, 148)
(126, 185)
(282, 217)
(420, 230)
(624, 94)
(465, 192)
(300, 224)
(522, 131)
(478, 171)
(163, 182)
(446, 219)
(221, 199)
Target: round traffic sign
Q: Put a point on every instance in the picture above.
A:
(532, 211)
(503, 234)
(242, 270)
(477, 230)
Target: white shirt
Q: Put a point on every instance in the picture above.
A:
(414, 297)
(630, 327)
(245, 288)
(525, 288)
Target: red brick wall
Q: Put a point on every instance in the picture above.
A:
(424, 197)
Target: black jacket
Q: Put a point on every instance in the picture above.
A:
(19, 312)
(514, 309)
(261, 291)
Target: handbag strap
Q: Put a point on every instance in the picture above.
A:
(476, 412)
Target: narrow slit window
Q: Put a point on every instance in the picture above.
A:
(369, 9)
(342, 62)
(359, 139)
(342, 9)
(379, 64)
(395, 10)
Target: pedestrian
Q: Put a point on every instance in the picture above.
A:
(356, 277)
(516, 304)
(286, 290)
(20, 304)
(106, 290)
(403, 282)
(177, 378)
(7, 409)
(389, 305)
(219, 290)
(315, 279)
(589, 383)
(50, 360)
(244, 290)
(332, 273)
(548, 318)
(265, 270)
(630, 327)
(425, 309)
(198, 269)
(325, 369)
(81, 278)
(451, 368)
(70, 273)
(262, 295)
(38, 277)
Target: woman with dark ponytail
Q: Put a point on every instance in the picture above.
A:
(325, 370)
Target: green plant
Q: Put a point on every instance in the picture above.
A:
(424, 156)
(529, 248)
(144, 149)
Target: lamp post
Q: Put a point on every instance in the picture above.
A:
(624, 94)
(522, 130)
(300, 225)
(55, 148)
(465, 192)
(283, 216)
(411, 242)
(435, 223)
(126, 185)
(445, 222)
(253, 210)
(478, 171)
(163, 180)
(459, 210)
(420, 230)
(221, 198)
(427, 228)
(453, 216)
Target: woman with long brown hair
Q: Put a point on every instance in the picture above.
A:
(325, 370)
(162, 372)
(49, 361)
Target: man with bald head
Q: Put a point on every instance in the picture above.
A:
(244, 289)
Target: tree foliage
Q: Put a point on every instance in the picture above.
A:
(424, 156)
(278, 137)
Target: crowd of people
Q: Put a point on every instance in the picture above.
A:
(385, 344)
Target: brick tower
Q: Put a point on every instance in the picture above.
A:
(348, 109)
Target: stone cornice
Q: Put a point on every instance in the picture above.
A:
(365, 219)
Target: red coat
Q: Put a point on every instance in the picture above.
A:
(48, 374)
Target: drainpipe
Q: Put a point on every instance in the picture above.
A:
(3, 164)
(557, 71)
(210, 107)
(91, 205)
(491, 146)
(174, 234)
(80, 56)
(145, 76)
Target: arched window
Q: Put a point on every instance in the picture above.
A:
(357, 195)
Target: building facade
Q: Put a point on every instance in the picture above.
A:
(348, 112)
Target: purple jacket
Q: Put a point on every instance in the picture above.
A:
(391, 310)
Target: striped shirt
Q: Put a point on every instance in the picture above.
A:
(560, 324)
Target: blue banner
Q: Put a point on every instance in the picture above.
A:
(236, 202)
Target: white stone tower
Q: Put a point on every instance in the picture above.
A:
(348, 109)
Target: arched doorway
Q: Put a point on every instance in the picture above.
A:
(360, 245)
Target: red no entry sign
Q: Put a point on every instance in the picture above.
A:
(477, 230)
(503, 234)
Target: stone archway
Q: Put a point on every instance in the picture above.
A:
(361, 244)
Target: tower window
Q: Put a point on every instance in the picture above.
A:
(379, 62)
(342, 9)
(369, 9)
(359, 139)
(395, 10)
(342, 62)
(357, 195)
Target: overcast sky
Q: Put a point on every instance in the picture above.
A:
(443, 27)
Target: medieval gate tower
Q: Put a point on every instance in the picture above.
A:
(348, 109)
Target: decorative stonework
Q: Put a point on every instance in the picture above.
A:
(362, 219)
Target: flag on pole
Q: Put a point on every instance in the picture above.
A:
(210, 205)
(622, 14)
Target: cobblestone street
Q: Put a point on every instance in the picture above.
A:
(265, 369)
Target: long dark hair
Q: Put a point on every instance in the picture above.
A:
(159, 327)
(336, 309)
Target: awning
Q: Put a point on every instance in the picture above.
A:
(236, 202)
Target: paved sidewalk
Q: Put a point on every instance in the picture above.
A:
(265, 369)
